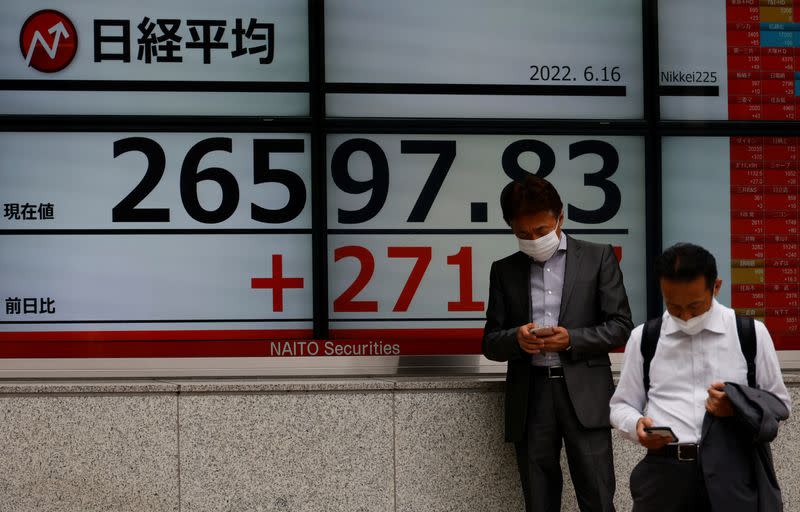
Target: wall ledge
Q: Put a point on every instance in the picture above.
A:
(481, 382)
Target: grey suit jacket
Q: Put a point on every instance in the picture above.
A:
(595, 311)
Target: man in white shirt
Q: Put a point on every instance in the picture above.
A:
(698, 349)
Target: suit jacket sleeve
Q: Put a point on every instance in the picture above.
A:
(615, 312)
(499, 343)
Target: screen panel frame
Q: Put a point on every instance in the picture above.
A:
(108, 82)
(651, 128)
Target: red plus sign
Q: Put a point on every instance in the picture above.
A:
(277, 282)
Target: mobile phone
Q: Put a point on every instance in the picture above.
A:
(542, 331)
(663, 432)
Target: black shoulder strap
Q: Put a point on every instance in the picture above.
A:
(746, 329)
(650, 335)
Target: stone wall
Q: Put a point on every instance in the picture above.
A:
(382, 444)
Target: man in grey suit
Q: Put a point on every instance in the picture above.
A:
(556, 308)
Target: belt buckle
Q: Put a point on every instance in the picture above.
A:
(550, 372)
(680, 456)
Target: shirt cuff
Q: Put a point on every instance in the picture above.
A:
(628, 428)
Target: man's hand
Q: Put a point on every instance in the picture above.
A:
(529, 342)
(650, 441)
(717, 402)
(556, 342)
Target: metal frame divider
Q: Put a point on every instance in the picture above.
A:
(319, 199)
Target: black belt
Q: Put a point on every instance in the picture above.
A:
(684, 452)
(551, 372)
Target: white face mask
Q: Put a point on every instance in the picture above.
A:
(542, 248)
(694, 325)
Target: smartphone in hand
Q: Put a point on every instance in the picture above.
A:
(663, 432)
(542, 331)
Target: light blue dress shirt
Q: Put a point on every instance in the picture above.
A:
(547, 282)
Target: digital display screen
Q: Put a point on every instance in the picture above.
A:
(742, 206)
(157, 244)
(148, 232)
(414, 223)
(186, 244)
(730, 60)
(566, 59)
(188, 58)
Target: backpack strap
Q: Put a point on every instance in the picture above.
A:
(746, 329)
(650, 334)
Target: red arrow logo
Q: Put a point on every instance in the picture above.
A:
(48, 41)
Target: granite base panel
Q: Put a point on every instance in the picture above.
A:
(287, 452)
(88, 453)
(449, 455)
(293, 445)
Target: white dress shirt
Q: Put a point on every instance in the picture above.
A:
(683, 368)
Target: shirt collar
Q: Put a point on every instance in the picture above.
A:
(715, 322)
(562, 243)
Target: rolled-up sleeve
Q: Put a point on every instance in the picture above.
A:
(768, 368)
(628, 402)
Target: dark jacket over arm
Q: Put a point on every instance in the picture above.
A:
(735, 453)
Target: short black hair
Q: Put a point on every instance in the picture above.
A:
(529, 196)
(686, 262)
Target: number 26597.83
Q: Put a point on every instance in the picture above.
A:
(377, 185)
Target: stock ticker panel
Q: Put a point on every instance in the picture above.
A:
(763, 59)
(128, 244)
(157, 244)
(765, 239)
(737, 196)
(414, 223)
(729, 59)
